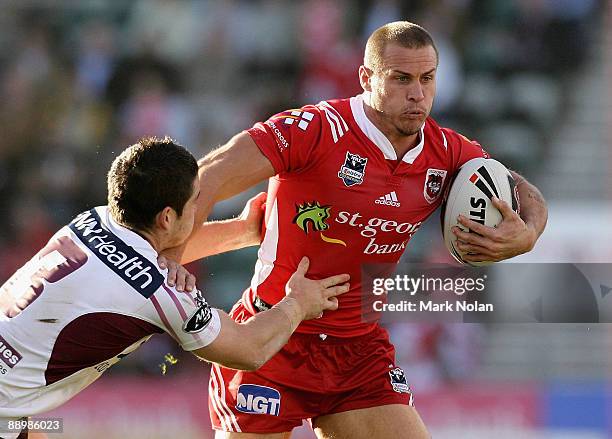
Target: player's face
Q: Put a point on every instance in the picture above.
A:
(403, 90)
(184, 224)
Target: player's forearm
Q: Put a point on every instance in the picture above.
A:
(267, 332)
(218, 237)
(533, 206)
(228, 171)
(211, 180)
(210, 238)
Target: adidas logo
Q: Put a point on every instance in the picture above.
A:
(389, 200)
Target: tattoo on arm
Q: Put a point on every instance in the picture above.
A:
(532, 192)
(536, 196)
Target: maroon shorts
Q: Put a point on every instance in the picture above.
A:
(311, 376)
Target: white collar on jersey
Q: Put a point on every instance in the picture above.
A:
(376, 136)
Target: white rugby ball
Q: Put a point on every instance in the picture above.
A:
(470, 195)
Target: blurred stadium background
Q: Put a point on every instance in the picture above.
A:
(530, 79)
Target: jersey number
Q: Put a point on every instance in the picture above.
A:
(55, 261)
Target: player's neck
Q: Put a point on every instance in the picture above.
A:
(151, 238)
(401, 143)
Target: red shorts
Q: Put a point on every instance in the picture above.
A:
(311, 376)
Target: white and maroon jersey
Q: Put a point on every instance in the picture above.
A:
(342, 198)
(91, 296)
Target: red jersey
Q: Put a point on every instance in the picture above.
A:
(342, 198)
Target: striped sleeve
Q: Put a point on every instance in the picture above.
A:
(187, 317)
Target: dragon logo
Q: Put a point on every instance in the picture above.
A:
(311, 217)
(433, 184)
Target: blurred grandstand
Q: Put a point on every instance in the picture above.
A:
(530, 79)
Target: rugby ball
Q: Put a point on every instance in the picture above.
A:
(471, 190)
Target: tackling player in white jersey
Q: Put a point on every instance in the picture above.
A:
(95, 292)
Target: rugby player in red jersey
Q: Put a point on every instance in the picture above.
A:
(351, 181)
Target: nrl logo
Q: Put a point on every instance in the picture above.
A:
(398, 380)
(352, 171)
(311, 217)
(198, 320)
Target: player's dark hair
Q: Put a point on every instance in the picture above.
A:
(404, 33)
(147, 177)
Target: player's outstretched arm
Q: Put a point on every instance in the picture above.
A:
(214, 237)
(223, 173)
(515, 235)
(229, 170)
(247, 346)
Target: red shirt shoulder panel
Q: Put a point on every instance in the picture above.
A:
(462, 149)
(289, 139)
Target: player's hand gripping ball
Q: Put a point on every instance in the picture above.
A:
(470, 195)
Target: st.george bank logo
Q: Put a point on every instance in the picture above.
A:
(311, 217)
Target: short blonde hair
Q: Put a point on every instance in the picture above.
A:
(404, 33)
